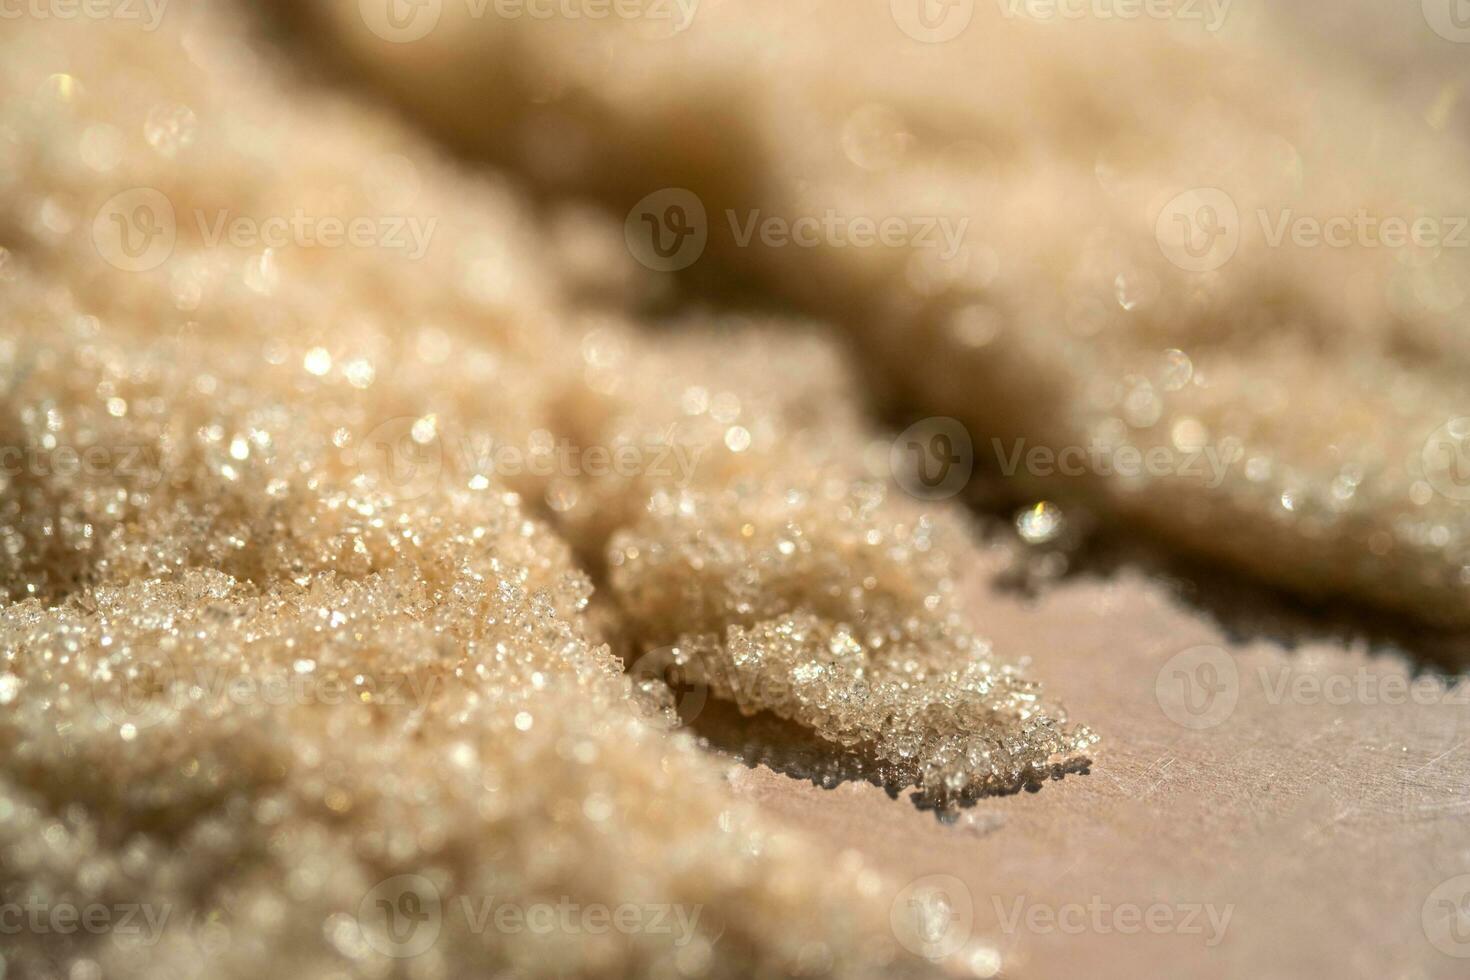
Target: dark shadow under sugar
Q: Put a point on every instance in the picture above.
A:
(792, 750)
(1244, 609)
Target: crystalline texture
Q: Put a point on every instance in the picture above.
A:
(282, 627)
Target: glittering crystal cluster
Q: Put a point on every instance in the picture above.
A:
(1134, 280)
(299, 531)
(827, 604)
(790, 578)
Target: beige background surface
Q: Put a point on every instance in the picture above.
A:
(1323, 826)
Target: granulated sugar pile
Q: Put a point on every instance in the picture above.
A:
(1194, 255)
(322, 443)
(344, 479)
